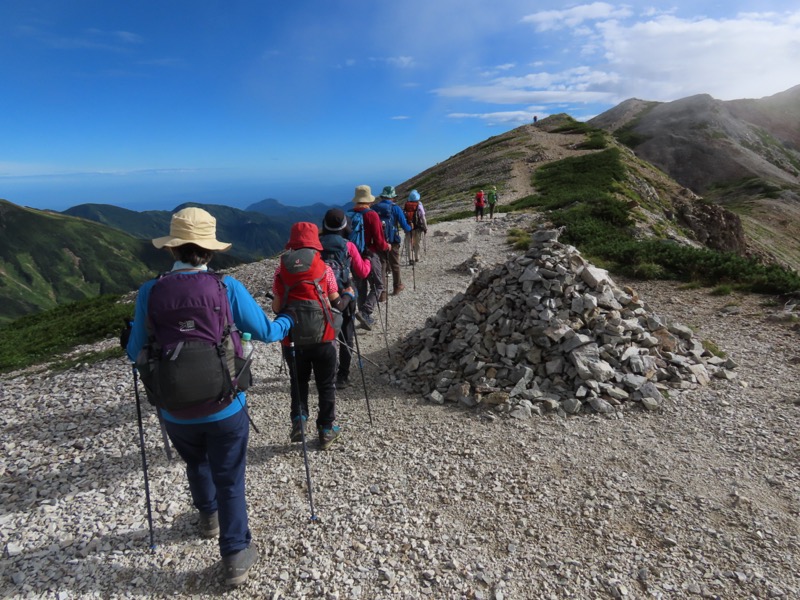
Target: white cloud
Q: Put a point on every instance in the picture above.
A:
(659, 56)
(511, 117)
(402, 62)
(400, 118)
(575, 16)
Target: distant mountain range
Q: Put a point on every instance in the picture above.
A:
(48, 258)
(724, 174)
(259, 231)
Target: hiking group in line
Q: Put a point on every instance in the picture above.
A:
(186, 344)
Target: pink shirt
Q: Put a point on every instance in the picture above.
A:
(361, 268)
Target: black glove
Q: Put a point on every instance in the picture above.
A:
(125, 333)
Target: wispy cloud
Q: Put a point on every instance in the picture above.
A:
(92, 39)
(400, 62)
(654, 56)
(511, 117)
(575, 16)
(400, 118)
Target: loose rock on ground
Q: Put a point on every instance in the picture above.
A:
(696, 499)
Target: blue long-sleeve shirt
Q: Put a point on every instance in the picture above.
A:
(388, 207)
(247, 314)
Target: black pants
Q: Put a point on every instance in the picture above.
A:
(321, 359)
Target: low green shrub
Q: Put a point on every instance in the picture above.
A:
(34, 338)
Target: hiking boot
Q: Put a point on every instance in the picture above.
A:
(328, 436)
(237, 565)
(366, 321)
(398, 288)
(382, 297)
(297, 433)
(342, 382)
(209, 524)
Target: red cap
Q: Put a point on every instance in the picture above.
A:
(304, 235)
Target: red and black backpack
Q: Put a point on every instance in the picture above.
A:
(301, 273)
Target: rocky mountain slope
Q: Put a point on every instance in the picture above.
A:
(742, 154)
(698, 498)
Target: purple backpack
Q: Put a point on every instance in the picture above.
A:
(194, 352)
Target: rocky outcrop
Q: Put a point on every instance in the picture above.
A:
(547, 331)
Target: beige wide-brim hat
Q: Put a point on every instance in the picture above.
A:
(363, 195)
(192, 226)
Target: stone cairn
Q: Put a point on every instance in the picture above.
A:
(547, 331)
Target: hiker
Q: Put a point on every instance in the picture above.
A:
(210, 435)
(415, 215)
(480, 202)
(367, 235)
(305, 287)
(336, 245)
(492, 200)
(392, 218)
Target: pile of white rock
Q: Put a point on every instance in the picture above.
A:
(547, 331)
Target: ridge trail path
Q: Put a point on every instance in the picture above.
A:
(428, 501)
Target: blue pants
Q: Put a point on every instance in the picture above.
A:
(215, 455)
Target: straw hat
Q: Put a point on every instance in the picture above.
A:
(363, 195)
(192, 226)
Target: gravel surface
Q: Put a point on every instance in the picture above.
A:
(699, 499)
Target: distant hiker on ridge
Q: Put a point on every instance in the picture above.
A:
(492, 200)
(210, 433)
(367, 235)
(415, 215)
(306, 288)
(480, 202)
(392, 218)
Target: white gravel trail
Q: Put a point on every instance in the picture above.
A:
(698, 500)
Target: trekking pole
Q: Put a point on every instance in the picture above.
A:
(425, 242)
(144, 457)
(164, 436)
(413, 266)
(296, 386)
(349, 347)
(385, 332)
(361, 368)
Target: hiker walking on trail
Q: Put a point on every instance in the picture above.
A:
(392, 219)
(480, 203)
(306, 288)
(208, 429)
(340, 253)
(492, 200)
(367, 235)
(415, 215)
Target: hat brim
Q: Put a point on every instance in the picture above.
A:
(169, 241)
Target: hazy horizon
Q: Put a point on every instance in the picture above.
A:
(159, 191)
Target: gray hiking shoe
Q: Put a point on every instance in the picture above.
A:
(237, 565)
(328, 436)
(366, 320)
(296, 435)
(209, 524)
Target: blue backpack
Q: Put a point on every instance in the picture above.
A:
(385, 211)
(357, 229)
(334, 253)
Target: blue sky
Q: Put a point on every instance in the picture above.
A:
(148, 104)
